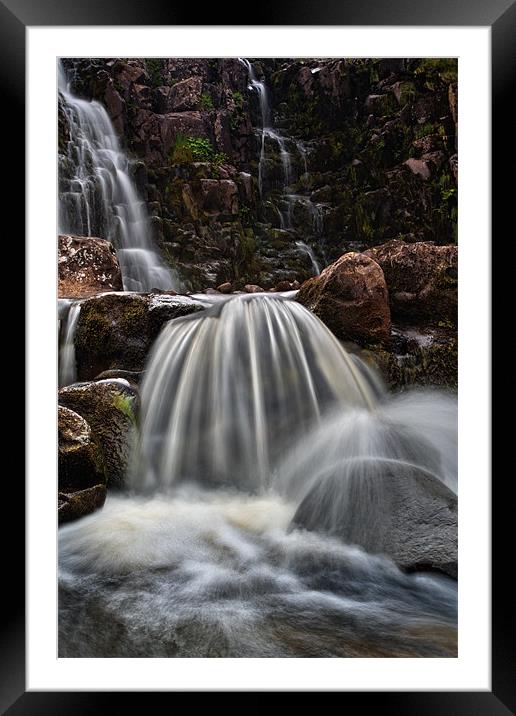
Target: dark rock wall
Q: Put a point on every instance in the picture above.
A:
(372, 143)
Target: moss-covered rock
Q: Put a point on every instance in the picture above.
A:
(116, 331)
(110, 408)
(80, 462)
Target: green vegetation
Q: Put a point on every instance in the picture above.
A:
(195, 149)
(206, 101)
(155, 67)
(125, 404)
(438, 68)
(238, 99)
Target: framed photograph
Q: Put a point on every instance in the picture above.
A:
(267, 467)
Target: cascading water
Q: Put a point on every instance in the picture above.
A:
(245, 408)
(268, 133)
(308, 249)
(97, 196)
(273, 370)
(68, 315)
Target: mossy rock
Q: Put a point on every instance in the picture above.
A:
(80, 463)
(116, 331)
(110, 407)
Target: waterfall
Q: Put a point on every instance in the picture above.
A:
(68, 315)
(97, 196)
(308, 249)
(255, 420)
(274, 369)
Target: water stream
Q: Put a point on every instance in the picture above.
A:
(245, 406)
(97, 195)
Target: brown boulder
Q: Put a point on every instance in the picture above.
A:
(253, 288)
(350, 297)
(110, 408)
(225, 287)
(87, 266)
(79, 460)
(422, 280)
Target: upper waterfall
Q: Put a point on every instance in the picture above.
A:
(97, 196)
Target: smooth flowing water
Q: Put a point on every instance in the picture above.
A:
(245, 407)
(97, 195)
(68, 311)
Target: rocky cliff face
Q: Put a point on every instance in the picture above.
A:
(355, 153)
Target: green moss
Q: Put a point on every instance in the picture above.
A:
(125, 404)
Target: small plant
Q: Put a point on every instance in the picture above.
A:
(238, 99)
(206, 101)
(155, 66)
(195, 149)
(447, 193)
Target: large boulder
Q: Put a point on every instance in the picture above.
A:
(87, 266)
(116, 331)
(110, 408)
(81, 478)
(399, 511)
(350, 297)
(422, 280)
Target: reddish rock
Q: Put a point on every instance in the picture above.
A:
(422, 280)
(430, 143)
(225, 287)
(219, 196)
(419, 167)
(185, 95)
(283, 286)
(86, 266)
(252, 288)
(350, 297)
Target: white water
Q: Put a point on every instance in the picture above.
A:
(308, 249)
(273, 370)
(68, 315)
(101, 200)
(244, 407)
(216, 574)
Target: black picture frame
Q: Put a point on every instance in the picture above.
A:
(500, 15)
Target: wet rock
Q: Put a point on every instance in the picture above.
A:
(79, 458)
(133, 377)
(252, 288)
(110, 408)
(74, 505)
(402, 512)
(86, 266)
(350, 297)
(422, 280)
(225, 287)
(116, 331)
